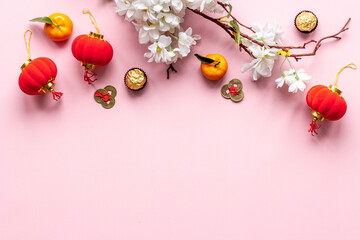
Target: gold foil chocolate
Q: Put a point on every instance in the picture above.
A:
(135, 79)
(306, 21)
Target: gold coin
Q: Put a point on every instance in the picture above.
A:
(110, 104)
(97, 98)
(112, 90)
(224, 91)
(237, 98)
(238, 84)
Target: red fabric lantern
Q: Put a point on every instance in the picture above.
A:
(38, 75)
(326, 102)
(92, 50)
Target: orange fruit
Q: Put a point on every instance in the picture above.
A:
(216, 70)
(61, 29)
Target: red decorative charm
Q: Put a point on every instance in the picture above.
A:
(233, 91)
(105, 96)
(38, 75)
(326, 102)
(91, 50)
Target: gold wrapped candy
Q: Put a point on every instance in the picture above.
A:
(135, 79)
(306, 21)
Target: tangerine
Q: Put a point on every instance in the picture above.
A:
(61, 29)
(216, 70)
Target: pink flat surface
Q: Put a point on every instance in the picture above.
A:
(177, 161)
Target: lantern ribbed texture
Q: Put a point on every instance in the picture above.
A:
(326, 102)
(36, 75)
(91, 50)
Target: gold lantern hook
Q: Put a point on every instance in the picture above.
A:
(92, 18)
(27, 43)
(351, 65)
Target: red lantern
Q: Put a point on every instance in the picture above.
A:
(91, 50)
(38, 75)
(326, 102)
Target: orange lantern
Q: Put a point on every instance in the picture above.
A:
(326, 102)
(91, 50)
(38, 75)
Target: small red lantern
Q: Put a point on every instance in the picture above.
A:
(326, 102)
(92, 50)
(38, 75)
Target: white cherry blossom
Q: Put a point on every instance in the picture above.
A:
(159, 51)
(159, 25)
(286, 78)
(269, 34)
(156, 18)
(186, 40)
(263, 62)
(301, 77)
(294, 79)
(147, 33)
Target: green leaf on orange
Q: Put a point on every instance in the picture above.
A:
(43, 20)
(203, 59)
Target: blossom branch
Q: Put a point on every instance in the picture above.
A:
(226, 27)
(231, 31)
(318, 45)
(242, 46)
(225, 6)
(170, 68)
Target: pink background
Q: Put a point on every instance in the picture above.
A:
(177, 161)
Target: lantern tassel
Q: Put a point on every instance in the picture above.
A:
(313, 127)
(56, 95)
(90, 76)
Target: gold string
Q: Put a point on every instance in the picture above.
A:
(27, 43)
(351, 65)
(92, 18)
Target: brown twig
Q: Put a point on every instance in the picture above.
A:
(231, 31)
(171, 67)
(318, 45)
(242, 46)
(226, 27)
(224, 5)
